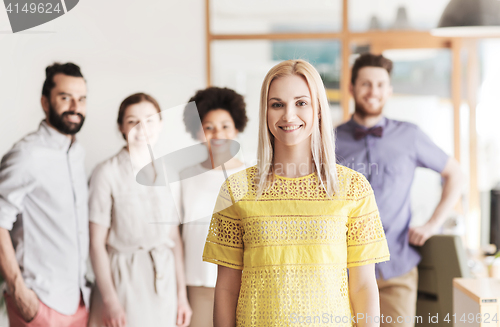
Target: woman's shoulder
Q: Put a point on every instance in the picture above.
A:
(343, 171)
(240, 184)
(351, 184)
(108, 167)
(245, 176)
(211, 174)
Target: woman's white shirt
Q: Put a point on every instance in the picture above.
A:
(198, 196)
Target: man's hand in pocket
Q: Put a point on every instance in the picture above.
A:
(27, 303)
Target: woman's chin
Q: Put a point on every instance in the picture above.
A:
(221, 150)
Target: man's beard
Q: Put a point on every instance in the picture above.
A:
(58, 122)
(363, 112)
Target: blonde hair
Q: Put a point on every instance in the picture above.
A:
(322, 140)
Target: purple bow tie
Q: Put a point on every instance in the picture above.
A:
(360, 133)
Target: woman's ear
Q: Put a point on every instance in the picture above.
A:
(120, 128)
(200, 136)
(121, 131)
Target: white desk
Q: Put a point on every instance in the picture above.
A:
(476, 302)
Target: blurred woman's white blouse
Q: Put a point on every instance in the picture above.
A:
(199, 189)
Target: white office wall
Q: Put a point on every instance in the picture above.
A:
(122, 47)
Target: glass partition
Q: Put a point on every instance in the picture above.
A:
(394, 14)
(275, 16)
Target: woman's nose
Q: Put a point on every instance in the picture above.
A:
(216, 133)
(289, 114)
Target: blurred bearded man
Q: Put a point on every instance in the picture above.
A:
(43, 211)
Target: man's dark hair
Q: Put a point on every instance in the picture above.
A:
(370, 60)
(68, 69)
(214, 98)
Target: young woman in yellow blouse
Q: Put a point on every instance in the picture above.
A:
(284, 232)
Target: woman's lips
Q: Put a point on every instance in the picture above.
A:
(290, 129)
(218, 142)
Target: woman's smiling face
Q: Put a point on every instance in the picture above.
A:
(290, 115)
(218, 128)
(134, 132)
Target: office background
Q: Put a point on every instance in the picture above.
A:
(170, 49)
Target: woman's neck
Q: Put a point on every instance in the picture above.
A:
(293, 161)
(139, 155)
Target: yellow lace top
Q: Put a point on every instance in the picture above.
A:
(294, 245)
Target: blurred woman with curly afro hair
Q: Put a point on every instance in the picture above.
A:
(217, 118)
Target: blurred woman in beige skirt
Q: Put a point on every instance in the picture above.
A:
(135, 245)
